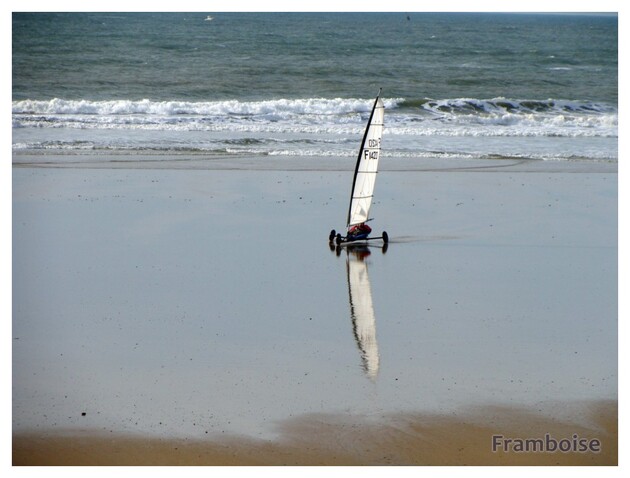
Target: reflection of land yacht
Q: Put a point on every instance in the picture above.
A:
(361, 308)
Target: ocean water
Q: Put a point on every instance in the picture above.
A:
(300, 85)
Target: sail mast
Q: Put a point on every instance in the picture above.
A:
(360, 157)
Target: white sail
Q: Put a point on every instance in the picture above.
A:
(367, 167)
(362, 312)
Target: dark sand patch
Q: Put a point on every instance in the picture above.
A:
(412, 439)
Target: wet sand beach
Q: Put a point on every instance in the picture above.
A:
(185, 311)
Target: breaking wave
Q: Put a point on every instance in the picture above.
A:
(308, 106)
(299, 126)
(446, 117)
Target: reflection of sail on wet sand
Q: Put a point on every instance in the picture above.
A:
(362, 310)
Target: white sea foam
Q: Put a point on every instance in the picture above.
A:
(450, 117)
(291, 127)
(316, 106)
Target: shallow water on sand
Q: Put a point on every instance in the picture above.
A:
(186, 303)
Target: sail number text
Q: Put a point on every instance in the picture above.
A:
(367, 154)
(372, 143)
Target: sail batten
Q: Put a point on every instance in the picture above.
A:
(367, 167)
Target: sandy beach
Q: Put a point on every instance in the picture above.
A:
(176, 310)
(331, 440)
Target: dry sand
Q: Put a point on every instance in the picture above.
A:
(331, 440)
